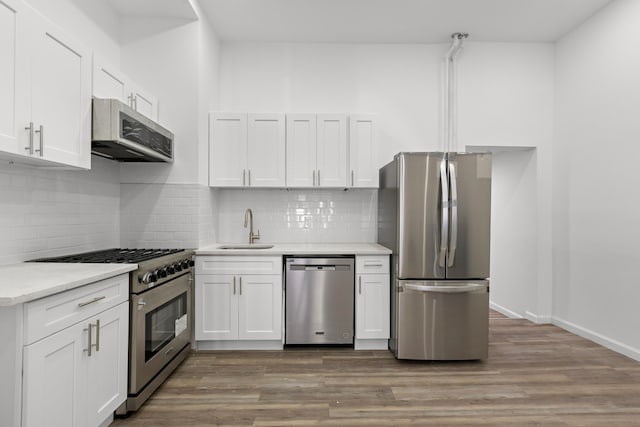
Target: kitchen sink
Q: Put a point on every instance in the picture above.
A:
(245, 246)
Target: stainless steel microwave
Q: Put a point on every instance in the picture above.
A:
(121, 133)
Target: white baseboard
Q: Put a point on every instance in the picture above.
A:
(536, 318)
(239, 345)
(504, 310)
(375, 344)
(611, 344)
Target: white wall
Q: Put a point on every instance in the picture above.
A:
(596, 200)
(506, 98)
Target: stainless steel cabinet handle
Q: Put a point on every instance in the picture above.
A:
(449, 289)
(96, 299)
(372, 265)
(314, 177)
(318, 177)
(135, 102)
(453, 241)
(41, 132)
(88, 350)
(249, 178)
(352, 177)
(241, 286)
(243, 177)
(98, 335)
(360, 285)
(169, 350)
(30, 129)
(130, 98)
(444, 226)
(234, 285)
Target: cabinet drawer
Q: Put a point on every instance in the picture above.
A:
(372, 264)
(48, 315)
(235, 264)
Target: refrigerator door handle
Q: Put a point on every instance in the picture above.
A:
(448, 289)
(444, 225)
(453, 243)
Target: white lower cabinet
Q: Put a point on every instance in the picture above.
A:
(65, 356)
(64, 384)
(240, 301)
(372, 300)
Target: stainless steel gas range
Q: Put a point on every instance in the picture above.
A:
(160, 316)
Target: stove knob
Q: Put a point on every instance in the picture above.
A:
(191, 263)
(185, 264)
(149, 277)
(162, 272)
(178, 266)
(171, 269)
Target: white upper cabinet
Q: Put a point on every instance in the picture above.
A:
(14, 75)
(110, 82)
(246, 150)
(142, 101)
(301, 150)
(227, 149)
(266, 150)
(316, 150)
(362, 151)
(60, 96)
(45, 91)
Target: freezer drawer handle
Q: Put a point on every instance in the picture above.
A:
(449, 289)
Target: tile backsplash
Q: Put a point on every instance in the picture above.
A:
(298, 216)
(160, 215)
(48, 212)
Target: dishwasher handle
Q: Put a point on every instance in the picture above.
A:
(323, 267)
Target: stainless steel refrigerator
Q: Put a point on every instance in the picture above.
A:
(434, 213)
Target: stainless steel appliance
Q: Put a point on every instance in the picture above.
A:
(319, 295)
(434, 214)
(160, 313)
(121, 133)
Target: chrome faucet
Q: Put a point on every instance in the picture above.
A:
(248, 217)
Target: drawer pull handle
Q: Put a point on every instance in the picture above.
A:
(372, 265)
(96, 299)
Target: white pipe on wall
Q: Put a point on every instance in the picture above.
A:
(450, 90)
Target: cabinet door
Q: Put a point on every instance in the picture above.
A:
(332, 151)
(107, 366)
(260, 307)
(372, 306)
(362, 151)
(108, 81)
(55, 378)
(142, 101)
(216, 307)
(266, 150)
(61, 96)
(14, 76)
(301, 150)
(227, 149)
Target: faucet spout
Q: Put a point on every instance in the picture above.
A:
(248, 219)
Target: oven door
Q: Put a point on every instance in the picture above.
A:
(160, 328)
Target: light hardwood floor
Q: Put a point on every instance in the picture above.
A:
(536, 375)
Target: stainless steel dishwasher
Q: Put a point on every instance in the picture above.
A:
(319, 296)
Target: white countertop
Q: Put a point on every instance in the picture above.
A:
(32, 280)
(301, 249)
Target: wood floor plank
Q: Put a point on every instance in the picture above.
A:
(535, 375)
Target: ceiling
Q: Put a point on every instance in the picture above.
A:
(396, 21)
